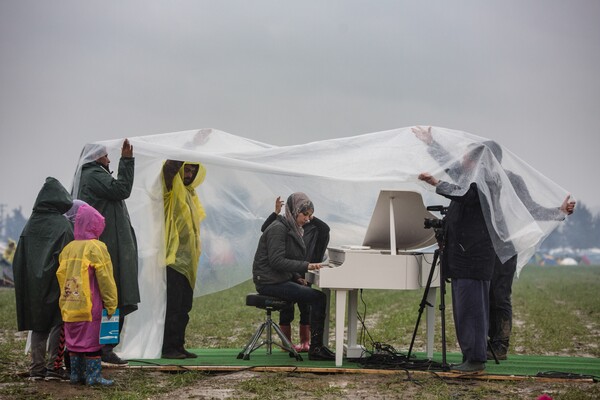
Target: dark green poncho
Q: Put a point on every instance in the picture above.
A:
(107, 195)
(36, 259)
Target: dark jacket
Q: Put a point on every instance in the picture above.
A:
(280, 254)
(36, 259)
(107, 195)
(468, 251)
(316, 237)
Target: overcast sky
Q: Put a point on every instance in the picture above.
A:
(524, 73)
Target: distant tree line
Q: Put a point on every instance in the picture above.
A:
(580, 230)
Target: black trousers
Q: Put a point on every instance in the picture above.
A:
(180, 297)
(316, 240)
(501, 303)
(315, 299)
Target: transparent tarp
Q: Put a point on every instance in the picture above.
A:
(342, 177)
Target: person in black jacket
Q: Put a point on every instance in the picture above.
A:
(501, 285)
(469, 254)
(316, 238)
(280, 257)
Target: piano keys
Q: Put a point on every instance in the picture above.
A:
(389, 258)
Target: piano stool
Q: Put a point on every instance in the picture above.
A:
(269, 304)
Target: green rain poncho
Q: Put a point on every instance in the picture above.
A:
(36, 259)
(183, 214)
(107, 195)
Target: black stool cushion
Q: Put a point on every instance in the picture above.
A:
(266, 302)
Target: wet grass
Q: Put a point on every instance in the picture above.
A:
(556, 311)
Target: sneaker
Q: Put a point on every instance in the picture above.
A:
(468, 367)
(113, 358)
(174, 355)
(187, 354)
(37, 376)
(59, 374)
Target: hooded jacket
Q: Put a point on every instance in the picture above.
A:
(183, 214)
(36, 258)
(83, 253)
(107, 195)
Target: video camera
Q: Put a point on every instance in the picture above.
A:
(435, 223)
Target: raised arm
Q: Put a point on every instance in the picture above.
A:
(170, 169)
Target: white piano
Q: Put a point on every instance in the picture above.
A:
(387, 259)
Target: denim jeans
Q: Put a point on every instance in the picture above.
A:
(470, 307)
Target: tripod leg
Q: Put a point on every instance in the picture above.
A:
(251, 346)
(493, 352)
(423, 301)
(445, 366)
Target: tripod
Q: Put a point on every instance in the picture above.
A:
(439, 235)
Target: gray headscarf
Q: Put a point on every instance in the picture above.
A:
(297, 203)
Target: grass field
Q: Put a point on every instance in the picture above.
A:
(556, 312)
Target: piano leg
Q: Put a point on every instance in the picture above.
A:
(430, 315)
(326, 325)
(340, 314)
(353, 349)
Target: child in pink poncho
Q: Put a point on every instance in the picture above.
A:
(85, 276)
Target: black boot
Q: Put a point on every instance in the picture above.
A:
(500, 349)
(318, 351)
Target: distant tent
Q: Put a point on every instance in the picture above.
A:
(343, 177)
(568, 261)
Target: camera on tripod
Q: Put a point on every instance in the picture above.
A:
(435, 223)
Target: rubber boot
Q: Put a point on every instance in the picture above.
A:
(304, 339)
(287, 331)
(93, 375)
(77, 368)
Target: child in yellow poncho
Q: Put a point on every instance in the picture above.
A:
(87, 285)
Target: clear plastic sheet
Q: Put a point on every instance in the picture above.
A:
(342, 177)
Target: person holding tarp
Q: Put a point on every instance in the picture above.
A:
(469, 254)
(106, 194)
(87, 286)
(501, 285)
(36, 288)
(502, 196)
(183, 213)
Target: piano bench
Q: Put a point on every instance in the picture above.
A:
(269, 304)
(266, 302)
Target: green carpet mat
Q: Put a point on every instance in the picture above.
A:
(518, 365)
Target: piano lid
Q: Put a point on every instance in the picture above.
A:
(409, 215)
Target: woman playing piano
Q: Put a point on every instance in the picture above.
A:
(280, 257)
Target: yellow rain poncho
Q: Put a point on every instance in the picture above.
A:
(183, 214)
(76, 297)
